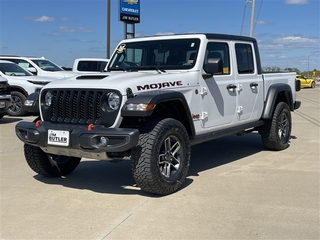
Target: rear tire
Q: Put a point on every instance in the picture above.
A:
(160, 162)
(48, 164)
(17, 103)
(276, 132)
(1, 115)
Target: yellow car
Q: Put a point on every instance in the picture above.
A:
(306, 82)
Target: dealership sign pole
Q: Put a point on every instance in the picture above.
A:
(130, 15)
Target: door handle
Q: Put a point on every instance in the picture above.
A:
(253, 85)
(231, 87)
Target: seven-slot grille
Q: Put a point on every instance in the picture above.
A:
(76, 106)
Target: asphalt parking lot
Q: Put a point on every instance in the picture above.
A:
(235, 190)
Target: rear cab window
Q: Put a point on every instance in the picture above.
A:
(244, 55)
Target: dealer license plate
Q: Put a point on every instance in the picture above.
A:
(2, 104)
(58, 137)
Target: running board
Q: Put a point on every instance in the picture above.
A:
(249, 127)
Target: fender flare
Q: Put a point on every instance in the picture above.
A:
(33, 96)
(271, 99)
(156, 97)
(18, 89)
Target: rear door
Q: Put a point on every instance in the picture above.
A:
(249, 83)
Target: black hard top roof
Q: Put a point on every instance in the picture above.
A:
(214, 36)
(229, 37)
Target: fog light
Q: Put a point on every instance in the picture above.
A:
(102, 142)
(28, 103)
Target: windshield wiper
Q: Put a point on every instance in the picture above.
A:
(125, 69)
(158, 68)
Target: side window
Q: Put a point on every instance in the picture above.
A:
(24, 64)
(218, 50)
(244, 58)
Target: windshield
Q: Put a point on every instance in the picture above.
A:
(157, 54)
(46, 65)
(12, 69)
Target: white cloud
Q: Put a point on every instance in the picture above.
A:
(262, 23)
(298, 2)
(79, 29)
(84, 41)
(271, 46)
(66, 29)
(288, 40)
(40, 19)
(44, 19)
(52, 34)
(64, 19)
(164, 33)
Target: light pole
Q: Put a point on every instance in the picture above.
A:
(108, 28)
(252, 18)
(308, 60)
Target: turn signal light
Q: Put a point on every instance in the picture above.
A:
(38, 123)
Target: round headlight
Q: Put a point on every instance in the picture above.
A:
(113, 100)
(48, 99)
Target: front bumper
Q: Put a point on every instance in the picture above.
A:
(82, 139)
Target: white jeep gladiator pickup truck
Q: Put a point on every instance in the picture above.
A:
(159, 96)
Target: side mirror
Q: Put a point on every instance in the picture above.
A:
(32, 70)
(214, 66)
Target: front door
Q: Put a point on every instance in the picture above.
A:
(218, 99)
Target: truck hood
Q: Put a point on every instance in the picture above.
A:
(137, 81)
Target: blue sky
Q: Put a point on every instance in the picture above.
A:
(62, 30)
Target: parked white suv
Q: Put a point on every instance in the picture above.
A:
(39, 66)
(5, 97)
(22, 84)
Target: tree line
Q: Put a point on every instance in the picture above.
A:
(312, 73)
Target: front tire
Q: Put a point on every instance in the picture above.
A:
(160, 162)
(276, 132)
(313, 84)
(49, 165)
(17, 103)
